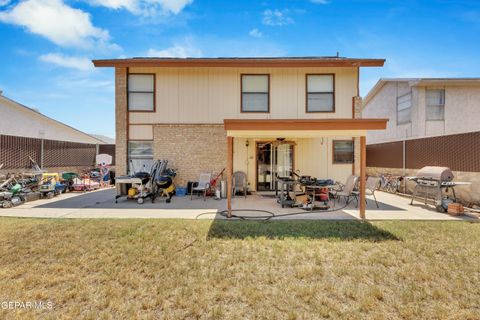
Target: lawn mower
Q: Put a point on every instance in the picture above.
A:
(51, 185)
(11, 197)
(67, 180)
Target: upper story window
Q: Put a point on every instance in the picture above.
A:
(404, 107)
(343, 151)
(141, 92)
(435, 104)
(255, 93)
(320, 93)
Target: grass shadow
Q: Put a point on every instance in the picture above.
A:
(330, 230)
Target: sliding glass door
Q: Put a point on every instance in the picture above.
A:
(273, 159)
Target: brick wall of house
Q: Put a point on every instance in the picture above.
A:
(191, 149)
(121, 120)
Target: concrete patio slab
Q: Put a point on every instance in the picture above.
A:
(101, 204)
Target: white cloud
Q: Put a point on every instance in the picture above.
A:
(56, 21)
(276, 17)
(319, 1)
(144, 7)
(4, 2)
(177, 51)
(79, 63)
(255, 33)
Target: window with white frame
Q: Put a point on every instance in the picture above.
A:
(435, 104)
(255, 92)
(404, 107)
(140, 156)
(320, 93)
(141, 92)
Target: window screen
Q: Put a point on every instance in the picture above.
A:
(141, 92)
(343, 151)
(255, 93)
(435, 102)
(404, 106)
(140, 156)
(320, 93)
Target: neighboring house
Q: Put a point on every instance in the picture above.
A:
(19, 120)
(104, 139)
(423, 107)
(262, 116)
(439, 120)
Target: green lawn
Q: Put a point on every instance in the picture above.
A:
(172, 269)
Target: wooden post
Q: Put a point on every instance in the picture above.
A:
(229, 174)
(363, 173)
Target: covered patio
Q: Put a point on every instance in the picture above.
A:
(304, 128)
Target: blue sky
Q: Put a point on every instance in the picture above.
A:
(46, 45)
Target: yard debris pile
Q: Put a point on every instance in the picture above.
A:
(18, 188)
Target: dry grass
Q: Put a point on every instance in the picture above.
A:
(171, 269)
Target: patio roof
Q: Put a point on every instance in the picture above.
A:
(301, 128)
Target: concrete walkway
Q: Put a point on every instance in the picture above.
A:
(101, 204)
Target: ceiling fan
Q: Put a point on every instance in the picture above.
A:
(280, 141)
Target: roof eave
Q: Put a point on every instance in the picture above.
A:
(239, 62)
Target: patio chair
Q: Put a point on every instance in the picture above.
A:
(370, 187)
(347, 191)
(240, 183)
(202, 186)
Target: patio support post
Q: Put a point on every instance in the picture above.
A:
(229, 174)
(363, 173)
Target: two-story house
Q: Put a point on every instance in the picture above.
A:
(433, 121)
(263, 116)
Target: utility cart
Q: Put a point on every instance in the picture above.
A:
(133, 187)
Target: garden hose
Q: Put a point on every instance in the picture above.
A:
(270, 214)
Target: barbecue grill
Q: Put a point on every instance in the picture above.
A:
(435, 183)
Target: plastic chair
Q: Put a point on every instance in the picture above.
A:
(240, 183)
(202, 186)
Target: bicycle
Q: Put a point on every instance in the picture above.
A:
(390, 183)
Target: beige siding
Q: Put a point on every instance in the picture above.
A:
(209, 95)
(141, 132)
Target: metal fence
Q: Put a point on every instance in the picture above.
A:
(459, 152)
(15, 152)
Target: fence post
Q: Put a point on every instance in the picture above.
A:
(42, 152)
